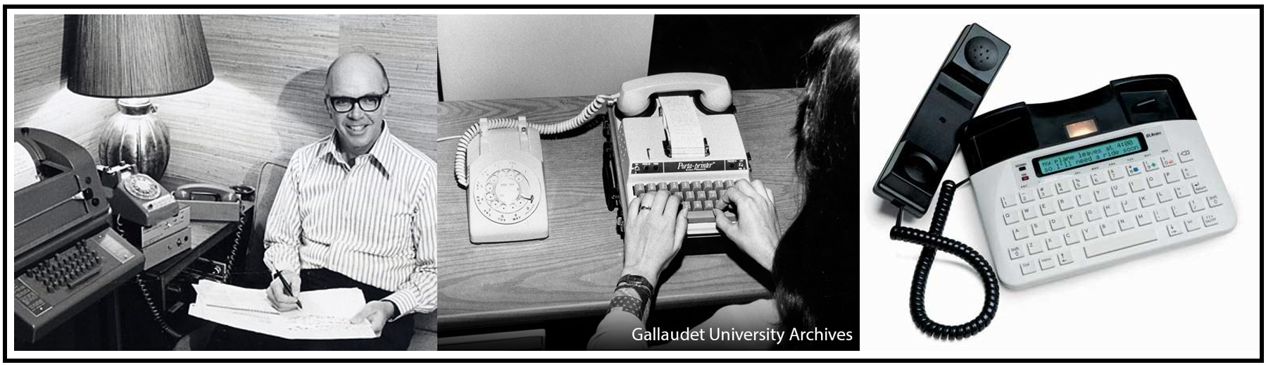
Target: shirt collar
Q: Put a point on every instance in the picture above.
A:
(384, 154)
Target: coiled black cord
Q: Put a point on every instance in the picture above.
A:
(159, 318)
(237, 242)
(933, 241)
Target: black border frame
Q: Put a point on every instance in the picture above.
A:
(1261, 16)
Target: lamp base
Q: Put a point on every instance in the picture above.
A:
(135, 136)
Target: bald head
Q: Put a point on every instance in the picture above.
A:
(356, 72)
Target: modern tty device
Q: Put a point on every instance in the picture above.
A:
(676, 132)
(1071, 186)
(506, 192)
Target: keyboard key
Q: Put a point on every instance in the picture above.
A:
(1081, 182)
(1129, 205)
(729, 184)
(1066, 203)
(690, 195)
(1075, 219)
(661, 186)
(1195, 205)
(1071, 238)
(1168, 160)
(1047, 208)
(1160, 215)
(1111, 210)
(1053, 243)
(1102, 194)
(1125, 224)
(708, 205)
(1118, 190)
(1171, 177)
(1185, 156)
(1151, 165)
(1037, 228)
(1047, 263)
(1028, 267)
(1164, 196)
(639, 189)
(1098, 178)
(696, 205)
(1147, 200)
(1093, 215)
(1137, 185)
(1182, 191)
(1133, 169)
(1083, 199)
(1107, 228)
(1089, 233)
(1143, 219)
(1154, 181)
(1045, 191)
(680, 196)
(1008, 200)
(1178, 210)
(1065, 258)
(1034, 247)
(1199, 188)
(1019, 233)
(1027, 196)
(712, 195)
(1115, 173)
(1064, 186)
(1188, 173)
(1210, 220)
(1028, 213)
(1120, 242)
(1173, 229)
(1055, 223)
(1213, 201)
(1015, 253)
(674, 186)
(1192, 224)
(1010, 217)
(696, 186)
(708, 185)
(700, 216)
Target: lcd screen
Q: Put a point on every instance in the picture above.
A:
(1091, 154)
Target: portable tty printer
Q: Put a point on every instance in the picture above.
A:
(677, 132)
(1071, 186)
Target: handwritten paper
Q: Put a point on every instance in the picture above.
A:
(324, 315)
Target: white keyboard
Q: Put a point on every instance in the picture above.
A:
(1044, 228)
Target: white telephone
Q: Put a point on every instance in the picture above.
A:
(506, 192)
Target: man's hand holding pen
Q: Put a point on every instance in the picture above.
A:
(283, 292)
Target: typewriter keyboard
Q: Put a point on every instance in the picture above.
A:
(700, 197)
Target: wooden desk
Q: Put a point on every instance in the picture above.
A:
(572, 273)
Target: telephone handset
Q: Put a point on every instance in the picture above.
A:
(636, 95)
(219, 193)
(506, 192)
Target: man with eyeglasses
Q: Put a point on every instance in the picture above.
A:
(356, 209)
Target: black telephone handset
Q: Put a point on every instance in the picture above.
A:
(921, 158)
(216, 192)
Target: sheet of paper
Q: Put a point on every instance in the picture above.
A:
(324, 315)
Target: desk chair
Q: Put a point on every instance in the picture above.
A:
(270, 174)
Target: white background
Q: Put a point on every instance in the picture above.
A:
(1200, 300)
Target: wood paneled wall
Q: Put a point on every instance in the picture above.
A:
(266, 99)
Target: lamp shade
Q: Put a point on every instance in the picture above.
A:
(137, 55)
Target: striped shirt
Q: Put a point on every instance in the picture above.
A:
(373, 221)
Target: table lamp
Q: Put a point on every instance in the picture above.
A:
(133, 58)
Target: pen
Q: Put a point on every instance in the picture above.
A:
(286, 286)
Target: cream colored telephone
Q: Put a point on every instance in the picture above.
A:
(506, 192)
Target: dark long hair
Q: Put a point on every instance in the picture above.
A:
(812, 261)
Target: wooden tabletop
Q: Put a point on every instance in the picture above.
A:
(572, 273)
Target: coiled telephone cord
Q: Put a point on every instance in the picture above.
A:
(932, 240)
(154, 310)
(459, 168)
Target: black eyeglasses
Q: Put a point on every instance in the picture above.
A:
(367, 103)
